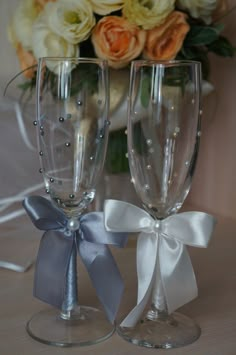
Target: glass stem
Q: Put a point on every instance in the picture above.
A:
(158, 307)
(71, 291)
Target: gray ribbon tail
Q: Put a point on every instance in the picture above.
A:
(51, 267)
(104, 275)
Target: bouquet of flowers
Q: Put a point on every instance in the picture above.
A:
(118, 31)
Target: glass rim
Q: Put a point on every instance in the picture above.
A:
(70, 59)
(170, 63)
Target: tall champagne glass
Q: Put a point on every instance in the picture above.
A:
(72, 113)
(163, 139)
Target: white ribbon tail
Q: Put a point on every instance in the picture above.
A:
(177, 275)
(146, 261)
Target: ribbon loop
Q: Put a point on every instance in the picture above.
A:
(43, 214)
(55, 251)
(163, 262)
(190, 228)
(124, 217)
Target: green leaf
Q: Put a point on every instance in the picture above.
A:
(116, 159)
(219, 27)
(145, 91)
(140, 142)
(202, 35)
(25, 86)
(222, 47)
(199, 54)
(188, 53)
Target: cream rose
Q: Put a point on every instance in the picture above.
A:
(117, 40)
(147, 13)
(22, 22)
(12, 37)
(49, 44)
(73, 20)
(105, 7)
(164, 41)
(202, 9)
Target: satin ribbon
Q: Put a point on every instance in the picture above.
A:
(55, 250)
(163, 264)
(15, 267)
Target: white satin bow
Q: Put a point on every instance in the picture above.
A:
(163, 262)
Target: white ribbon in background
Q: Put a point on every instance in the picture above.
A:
(163, 263)
(6, 203)
(8, 104)
(16, 267)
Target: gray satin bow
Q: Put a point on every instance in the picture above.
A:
(163, 264)
(55, 251)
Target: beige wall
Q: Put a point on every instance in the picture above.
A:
(214, 183)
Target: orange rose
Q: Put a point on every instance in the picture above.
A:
(41, 3)
(26, 60)
(117, 41)
(164, 41)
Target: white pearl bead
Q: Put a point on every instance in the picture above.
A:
(73, 224)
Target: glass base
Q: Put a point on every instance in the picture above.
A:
(90, 326)
(169, 332)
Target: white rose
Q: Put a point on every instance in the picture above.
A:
(12, 37)
(105, 7)
(147, 14)
(22, 22)
(49, 44)
(199, 8)
(72, 19)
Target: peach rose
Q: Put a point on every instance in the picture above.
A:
(117, 41)
(26, 60)
(164, 41)
(41, 3)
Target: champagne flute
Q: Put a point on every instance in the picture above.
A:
(72, 124)
(163, 140)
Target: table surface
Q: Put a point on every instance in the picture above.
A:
(214, 309)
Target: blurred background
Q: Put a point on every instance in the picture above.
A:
(213, 188)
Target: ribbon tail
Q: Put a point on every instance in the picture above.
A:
(146, 261)
(104, 275)
(177, 274)
(51, 268)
